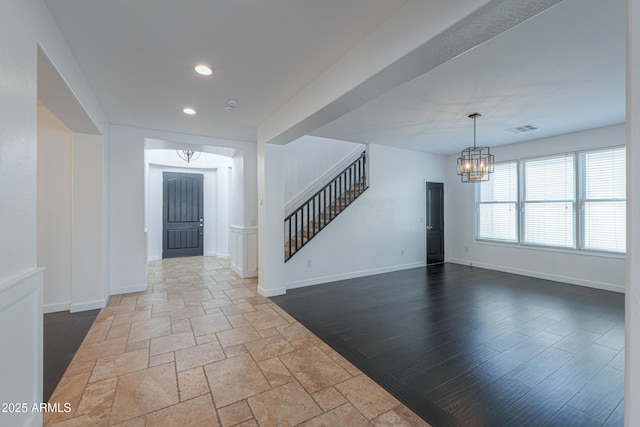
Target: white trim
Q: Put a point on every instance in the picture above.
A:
(212, 254)
(129, 289)
(54, 308)
(244, 274)
(322, 180)
(89, 305)
(218, 255)
(352, 275)
(271, 292)
(243, 243)
(16, 280)
(242, 227)
(21, 300)
(555, 277)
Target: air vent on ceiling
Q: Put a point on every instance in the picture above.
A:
(521, 129)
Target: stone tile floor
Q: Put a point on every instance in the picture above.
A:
(202, 348)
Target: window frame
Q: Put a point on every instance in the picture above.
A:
(582, 199)
(479, 202)
(522, 184)
(579, 228)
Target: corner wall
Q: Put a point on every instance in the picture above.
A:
(383, 230)
(23, 26)
(581, 268)
(54, 210)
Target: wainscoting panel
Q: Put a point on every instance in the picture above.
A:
(244, 251)
(21, 360)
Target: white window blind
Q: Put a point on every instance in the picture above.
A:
(604, 200)
(549, 201)
(497, 204)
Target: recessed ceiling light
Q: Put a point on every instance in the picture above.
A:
(204, 70)
(188, 110)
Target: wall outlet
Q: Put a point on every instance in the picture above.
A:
(466, 248)
(401, 252)
(308, 263)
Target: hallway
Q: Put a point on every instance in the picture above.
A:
(201, 347)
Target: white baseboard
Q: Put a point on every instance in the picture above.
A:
(56, 307)
(244, 274)
(218, 255)
(541, 275)
(352, 275)
(89, 305)
(129, 289)
(213, 254)
(271, 292)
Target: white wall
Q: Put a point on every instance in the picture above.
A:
(89, 289)
(24, 25)
(71, 211)
(383, 230)
(632, 297)
(54, 210)
(309, 158)
(271, 274)
(599, 271)
(128, 239)
(215, 169)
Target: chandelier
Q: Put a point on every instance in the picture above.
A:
(188, 155)
(475, 163)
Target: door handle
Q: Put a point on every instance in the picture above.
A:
(429, 227)
(201, 225)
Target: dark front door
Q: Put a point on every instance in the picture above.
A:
(435, 222)
(183, 214)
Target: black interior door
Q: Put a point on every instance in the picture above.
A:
(435, 222)
(183, 214)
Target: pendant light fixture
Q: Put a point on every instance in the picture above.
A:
(475, 163)
(188, 155)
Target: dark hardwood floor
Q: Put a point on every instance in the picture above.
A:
(62, 335)
(467, 346)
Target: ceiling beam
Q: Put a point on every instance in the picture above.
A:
(416, 39)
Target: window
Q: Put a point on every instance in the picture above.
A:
(569, 201)
(549, 201)
(603, 200)
(497, 204)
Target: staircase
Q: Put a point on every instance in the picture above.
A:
(319, 210)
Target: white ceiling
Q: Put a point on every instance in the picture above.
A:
(561, 71)
(138, 56)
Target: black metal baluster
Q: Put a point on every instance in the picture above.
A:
(341, 193)
(364, 170)
(350, 184)
(334, 201)
(325, 205)
(309, 219)
(289, 239)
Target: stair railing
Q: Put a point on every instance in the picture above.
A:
(304, 223)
